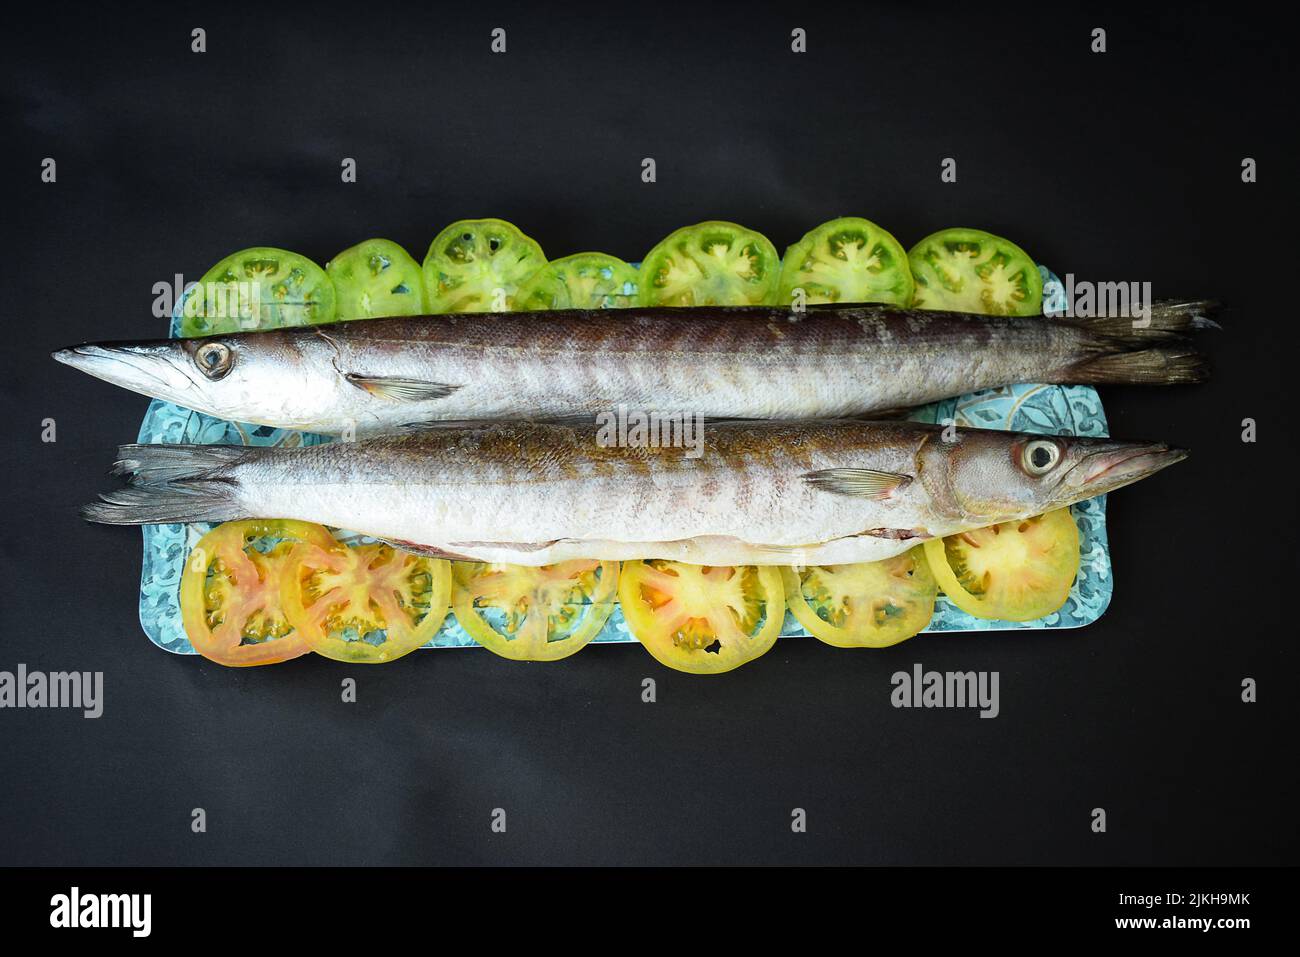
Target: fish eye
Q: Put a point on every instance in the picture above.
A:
(1040, 457)
(214, 359)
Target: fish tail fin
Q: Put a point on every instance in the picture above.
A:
(203, 501)
(1168, 319)
(1163, 365)
(152, 464)
(170, 483)
(1143, 350)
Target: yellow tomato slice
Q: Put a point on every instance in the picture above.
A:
(702, 619)
(230, 591)
(366, 604)
(867, 605)
(534, 614)
(1015, 571)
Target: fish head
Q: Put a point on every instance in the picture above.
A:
(996, 476)
(237, 377)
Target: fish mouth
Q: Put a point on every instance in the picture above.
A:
(1109, 469)
(149, 368)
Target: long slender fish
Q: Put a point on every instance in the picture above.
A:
(781, 493)
(750, 362)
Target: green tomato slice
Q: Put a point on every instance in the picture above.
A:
(477, 265)
(711, 264)
(581, 281)
(259, 288)
(969, 270)
(847, 260)
(376, 278)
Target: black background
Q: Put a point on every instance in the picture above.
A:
(1122, 166)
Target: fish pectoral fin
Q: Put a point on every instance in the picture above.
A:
(794, 555)
(429, 425)
(428, 551)
(458, 551)
(895, 414)
(779, 549)
(513, 546)
(863, 483)
(399, 389)
(576, 420)
(896, 534)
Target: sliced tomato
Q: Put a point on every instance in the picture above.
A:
(376, 278)
(867, 605)
(969, 270)
(258, 288)
(366, 604)
(710, 264)
(1014, 571)
(230, 591)
(702, 619)
(477, 265)
(581, 281)
(847, 260)
(534, 614)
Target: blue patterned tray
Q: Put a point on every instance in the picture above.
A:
(1045, 409)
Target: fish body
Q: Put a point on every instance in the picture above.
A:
(767, 493)
(381, 375)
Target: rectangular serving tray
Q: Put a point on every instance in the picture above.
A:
(1044, 409)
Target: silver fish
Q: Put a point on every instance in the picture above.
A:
(767, 493)
(749, 362)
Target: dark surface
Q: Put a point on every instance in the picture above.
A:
(1122, 166)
